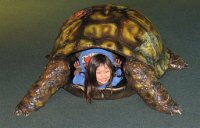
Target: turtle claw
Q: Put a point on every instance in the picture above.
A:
(176, 110)
(21, 112)
(176, 62)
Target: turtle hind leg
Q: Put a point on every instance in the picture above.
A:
(143, 80)
(54, 77)
(176, 62)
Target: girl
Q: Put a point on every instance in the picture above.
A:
(99, 73)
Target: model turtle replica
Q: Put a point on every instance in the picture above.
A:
(124, 32)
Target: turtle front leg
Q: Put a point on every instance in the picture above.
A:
(176, 62)
(146, 84)
(53, 78)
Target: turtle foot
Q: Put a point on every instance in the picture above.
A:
(52, 79)
(146, 84)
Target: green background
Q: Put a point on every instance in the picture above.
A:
(28, 29)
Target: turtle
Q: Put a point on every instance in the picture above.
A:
(127, 34)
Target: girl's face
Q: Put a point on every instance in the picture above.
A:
(103, 74)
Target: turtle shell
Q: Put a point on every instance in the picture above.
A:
(115, 28)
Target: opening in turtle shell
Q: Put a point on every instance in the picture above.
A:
(81, 60)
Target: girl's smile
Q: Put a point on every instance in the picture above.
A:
(103, 74)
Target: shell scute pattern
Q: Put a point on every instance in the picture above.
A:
(97, 31)
(115, 28)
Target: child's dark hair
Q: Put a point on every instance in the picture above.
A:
(91, 84)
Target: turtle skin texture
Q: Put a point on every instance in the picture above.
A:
(128, 35)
